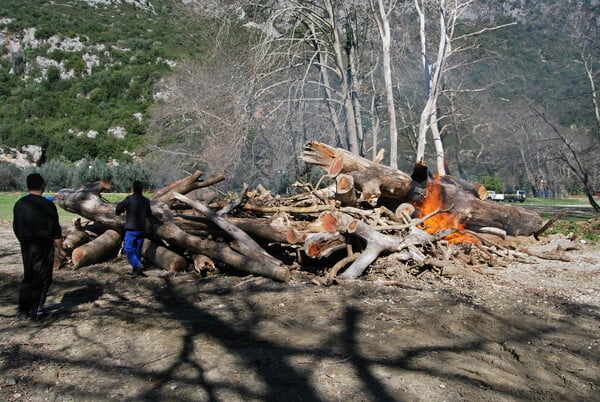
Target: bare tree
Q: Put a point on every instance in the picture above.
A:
(447, 45)
(580, 146)
(382, 14)
(202, 122)
(310, 49)
(433, 78)
(584, 36)
(580, 152)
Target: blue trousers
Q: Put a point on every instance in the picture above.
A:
(132, 246)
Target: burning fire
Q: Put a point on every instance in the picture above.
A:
(434, 200)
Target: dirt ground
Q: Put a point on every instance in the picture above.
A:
(528, 331)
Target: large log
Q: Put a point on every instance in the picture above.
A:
(100, 249)
(184, 186)
(162, 257)
(221, 251)
(372, 179)
(279, 228)
(461, 197)
(244, 242)
(475, 213)
(75, 236)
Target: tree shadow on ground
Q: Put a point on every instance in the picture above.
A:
(84, 294)
(268, 367)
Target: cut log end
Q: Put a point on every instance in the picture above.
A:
(329, 222)
(204, 265)
(337, 164)
(77, 255)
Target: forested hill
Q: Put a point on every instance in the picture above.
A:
(200, 84)
(77, 77)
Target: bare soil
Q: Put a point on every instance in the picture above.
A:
(526, 331)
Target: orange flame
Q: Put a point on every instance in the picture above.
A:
(434, 200)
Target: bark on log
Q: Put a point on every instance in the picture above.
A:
(88, 204)
(244, 242)
(220, 251)
(162, 257)
(476, 189)
(372, 179)
(184, 186)
(100, 249)
(75, 236)
(344, 190)
(475, 213)
(280, 228)
(463, 198)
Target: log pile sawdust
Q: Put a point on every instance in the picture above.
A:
(359, 211)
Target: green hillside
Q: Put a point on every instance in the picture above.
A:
(128, 50)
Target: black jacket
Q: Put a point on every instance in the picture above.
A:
(138, 209)
(35, 218)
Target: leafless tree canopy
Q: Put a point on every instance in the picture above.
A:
(369, 76)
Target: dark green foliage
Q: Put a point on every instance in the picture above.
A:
(492, 183)
(10, 177)
(90, 170)
(56, 174)
(44, 107)
(64, 175)
(125, 173)
(60, 175)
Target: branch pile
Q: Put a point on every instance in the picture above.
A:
(363, 211)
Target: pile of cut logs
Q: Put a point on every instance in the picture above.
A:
(360, 210)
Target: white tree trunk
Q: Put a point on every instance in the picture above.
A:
(590, 75)
(433, 75)
(351, 131)
(383, 24)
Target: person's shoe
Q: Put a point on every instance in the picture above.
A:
(138, 272)
(38, 315)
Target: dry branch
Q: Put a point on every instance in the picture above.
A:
(184, 186)
(245, 243)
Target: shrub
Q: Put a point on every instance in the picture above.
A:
(56, 174)
(10, 178)
(88, 171)
(125, 173)
(492, 183)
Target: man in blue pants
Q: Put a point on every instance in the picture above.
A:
(137, 209)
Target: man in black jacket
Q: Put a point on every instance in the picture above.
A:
(36, 225)
(137, 208)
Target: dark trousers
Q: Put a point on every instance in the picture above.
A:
(38, 260)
